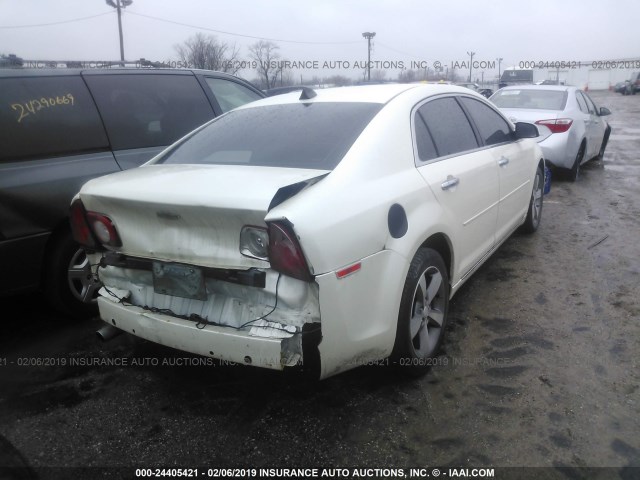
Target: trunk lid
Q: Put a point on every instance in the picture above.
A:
(530, 116)
(189, 213)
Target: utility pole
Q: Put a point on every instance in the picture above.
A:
(119, 5)
(471, 54)
(499, 63)
(369, 36)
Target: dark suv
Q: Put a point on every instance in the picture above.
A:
(60, 128)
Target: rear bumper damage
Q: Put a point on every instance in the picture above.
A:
(223, 343)
(276, 326)
(260, 325)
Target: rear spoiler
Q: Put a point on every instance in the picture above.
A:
(285, 193)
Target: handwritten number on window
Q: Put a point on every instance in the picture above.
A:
(32, 107)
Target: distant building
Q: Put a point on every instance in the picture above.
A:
(10, 61)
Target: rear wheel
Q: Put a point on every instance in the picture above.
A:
(423, 313)
(605, 140)
(574, 172)
(70, 285)
(534, 214)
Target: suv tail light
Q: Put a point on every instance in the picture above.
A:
(91, 229)
(558, 125)
(285, 254)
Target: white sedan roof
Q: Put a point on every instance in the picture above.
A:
(561, 88)
(364, 93)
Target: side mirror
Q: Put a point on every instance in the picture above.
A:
(526, 130)
(604, 111)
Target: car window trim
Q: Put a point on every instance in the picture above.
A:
(589, 103)
(578, 97)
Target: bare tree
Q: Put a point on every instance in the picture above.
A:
(286, 77)
(379, 75)
(268, 64)
(206, 52)
(338, 80)
(408, 76)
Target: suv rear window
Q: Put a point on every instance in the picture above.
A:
(315, 136)
(37, 115)
(149, 110)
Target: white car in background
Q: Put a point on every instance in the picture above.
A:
(324, 229)
(578, 130)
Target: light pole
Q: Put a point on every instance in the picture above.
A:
(471, 54)
(119, 5)
(499, 63)
(369, 36)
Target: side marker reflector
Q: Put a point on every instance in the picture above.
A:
(349, 270)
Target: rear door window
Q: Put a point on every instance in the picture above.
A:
(424, 142)
(448, 125)
(149, 110)
(230, 94)
(38, 114)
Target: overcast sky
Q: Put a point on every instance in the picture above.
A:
(406, 30)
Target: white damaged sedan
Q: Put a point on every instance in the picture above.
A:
(322, 229)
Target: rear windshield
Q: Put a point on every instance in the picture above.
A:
(530, 99)
(314, 135)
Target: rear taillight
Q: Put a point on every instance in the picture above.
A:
(91, 229)
(558, 125)
(79, 226)
(103, 229)
(285, 254)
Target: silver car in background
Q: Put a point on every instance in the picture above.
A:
(579, 131)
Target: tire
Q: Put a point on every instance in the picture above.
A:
(605, 140)
(574, 172)
(69, 285)
(534, 214)
(420, 330)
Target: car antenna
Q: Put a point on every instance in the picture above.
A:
(307, 93)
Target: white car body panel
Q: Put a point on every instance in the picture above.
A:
(372, 310)
(515, 185)
(471, 206)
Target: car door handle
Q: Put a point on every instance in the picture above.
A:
(503, 161)
(450, 182)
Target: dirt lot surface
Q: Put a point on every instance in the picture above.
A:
(540, 367)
